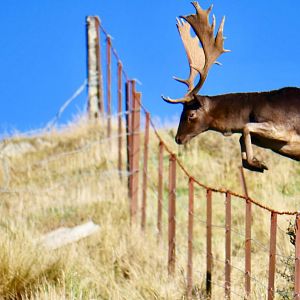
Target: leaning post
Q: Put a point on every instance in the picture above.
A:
(95, 84)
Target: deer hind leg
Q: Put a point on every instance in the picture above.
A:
(263, 130)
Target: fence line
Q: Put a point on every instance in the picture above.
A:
(134, 106)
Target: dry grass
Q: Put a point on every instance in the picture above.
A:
(67, 177)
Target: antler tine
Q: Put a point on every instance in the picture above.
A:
(220, 38)
(200, 59)
(195, 56)
(213, 25)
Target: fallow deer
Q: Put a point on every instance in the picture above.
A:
(266, 119)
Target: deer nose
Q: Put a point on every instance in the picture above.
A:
(178, 140)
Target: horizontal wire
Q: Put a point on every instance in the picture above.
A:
(180, 251)
(82, 149)
(243, 272)
(103, 174)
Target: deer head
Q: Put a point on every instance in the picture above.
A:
(193, 118)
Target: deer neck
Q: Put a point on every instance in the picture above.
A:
(229, 113)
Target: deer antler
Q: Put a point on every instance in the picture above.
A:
(194, 52)
(200, 59)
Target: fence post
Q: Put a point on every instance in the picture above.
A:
(190, 239)
(208, 242)
(272, 256)
(228, 246)
(247, 236)
(132, 99)
(172, 214)
(95, 86)
(160, 188)
(297, 259)
(145, 170)
(128, 108)
(108, 84)
(120, 118)
(135, 144)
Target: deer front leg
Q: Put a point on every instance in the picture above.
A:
(249, 160)
(245, 163)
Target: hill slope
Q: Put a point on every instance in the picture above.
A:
(67, 177)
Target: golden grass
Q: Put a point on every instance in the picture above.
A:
(67, 177)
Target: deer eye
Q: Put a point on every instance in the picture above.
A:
(192, 115)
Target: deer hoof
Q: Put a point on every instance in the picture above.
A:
(254, 165)
(259, 164)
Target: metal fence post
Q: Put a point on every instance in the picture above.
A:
(145, 170)
(120, 118)
(108, 84)
(228, 246)
(132, 103)
(172, 214)
(272, 256)
(208, 242)
(247, 236)
(128, 107)
(297, 259)
(190, 239)
(135, 155)
(160, 188)
(95, 85)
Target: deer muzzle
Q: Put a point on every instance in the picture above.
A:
(180, 140)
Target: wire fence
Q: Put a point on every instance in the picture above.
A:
(183, 221)
(239, 244)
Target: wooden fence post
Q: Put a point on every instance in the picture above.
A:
(228, 246)
(208, 242)
(297, 259)
(272, 256)
(190, 239)
(108, 84)
(145, 171)
(95, 85)
(135, 144)
(248, 215)
(172, 214)
(160, 189)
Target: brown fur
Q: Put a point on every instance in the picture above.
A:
(271, 118)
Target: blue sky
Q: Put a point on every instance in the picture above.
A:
(43, 52)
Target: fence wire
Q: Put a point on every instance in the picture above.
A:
(152, 186)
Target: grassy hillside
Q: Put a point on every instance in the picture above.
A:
(67, 177)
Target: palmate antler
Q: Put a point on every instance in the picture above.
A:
(200, 59)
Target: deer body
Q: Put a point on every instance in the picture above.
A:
(266, 119)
